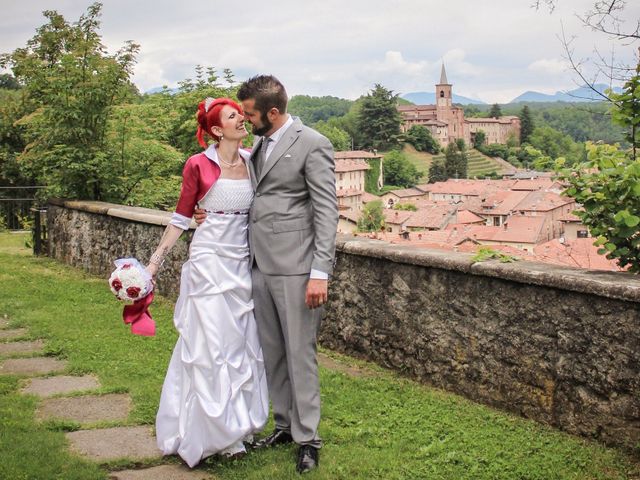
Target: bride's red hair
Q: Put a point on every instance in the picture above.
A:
(208, 116)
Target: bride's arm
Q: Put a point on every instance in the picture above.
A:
(168, 240)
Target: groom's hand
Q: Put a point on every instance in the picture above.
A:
(316, 294)
(199, 215)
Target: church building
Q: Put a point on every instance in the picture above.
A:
(446, 121)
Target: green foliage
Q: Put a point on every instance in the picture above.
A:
(72, 85)
(479, 139)
(398, 170)
(410, 207)
(373, 175)
(555, 144)
(495, 111)
(526, 124)
(378, 120)
(372, 218)
(487, 253)
(338, 137)
(607, 185)
(437, 171)
(422, 140)
(626, 110)
(312, 110)
(456, 161)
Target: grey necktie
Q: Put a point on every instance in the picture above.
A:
(262, 156)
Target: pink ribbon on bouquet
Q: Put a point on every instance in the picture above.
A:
(139, 317)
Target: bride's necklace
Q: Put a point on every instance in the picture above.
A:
(229, 164)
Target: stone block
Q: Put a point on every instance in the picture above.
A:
(46, 387)
(86, 408)
(12, 348)
(163, 472)
(32, 366)
(106, 444)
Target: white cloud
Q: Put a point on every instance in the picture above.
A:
(550, 66)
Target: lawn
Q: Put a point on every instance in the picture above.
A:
(377, 426)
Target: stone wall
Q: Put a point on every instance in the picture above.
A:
(558, 345)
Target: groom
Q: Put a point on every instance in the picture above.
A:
(292, 230)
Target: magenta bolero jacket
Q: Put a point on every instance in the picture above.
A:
(200, 173)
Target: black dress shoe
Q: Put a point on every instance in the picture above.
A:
(308, 459)
(278, 437)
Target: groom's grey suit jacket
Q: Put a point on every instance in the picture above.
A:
(294, 216)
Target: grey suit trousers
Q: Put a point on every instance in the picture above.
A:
(287, 329)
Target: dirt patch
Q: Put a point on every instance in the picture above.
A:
(354, 371)
(106, 444)
(13, 333)
(87, 408)
(12, 348)
(164, 472)
(45, 387)
(32, 366)
(4, 322)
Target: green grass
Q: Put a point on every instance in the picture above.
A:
(380, 426)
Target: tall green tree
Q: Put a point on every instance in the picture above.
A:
(379, 120)
(526, 124)
(399, 171)
(495, 111)
(456, 160)
(420, 137)
(73, 85)
(437, 171)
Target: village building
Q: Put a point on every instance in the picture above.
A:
(351, 170)
(447, 122)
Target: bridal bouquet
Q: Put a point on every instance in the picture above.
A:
(131, 282)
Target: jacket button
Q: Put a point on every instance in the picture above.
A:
(258, 194)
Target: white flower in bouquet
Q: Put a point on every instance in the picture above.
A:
(130, 281)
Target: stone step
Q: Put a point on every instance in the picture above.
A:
(32, 366)
(13, 333)
(106, 444)
(46, 387)
(163, 472)
(11, 348)
(86, 408)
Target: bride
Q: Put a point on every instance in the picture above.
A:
(215, 391)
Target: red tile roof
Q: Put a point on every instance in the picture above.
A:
(579, 252)
(351, 165)
(351, 154)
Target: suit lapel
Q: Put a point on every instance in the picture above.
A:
(288, 139)
(252, 163)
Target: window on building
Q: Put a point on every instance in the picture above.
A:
(583, 234)
(441, 93)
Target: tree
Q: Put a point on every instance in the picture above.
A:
(315, 109)
(456, 160)
(437, 172)
(372, 218)
(399, 171)
(554, 144)
(526, 124)
(410, 207)
(479, 139)
(338, 137)
(421, 138)
(379, 120)
(495, 111)
(73, 85)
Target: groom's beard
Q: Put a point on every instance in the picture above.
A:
(266, 125)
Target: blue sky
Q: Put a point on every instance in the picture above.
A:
(493, 50)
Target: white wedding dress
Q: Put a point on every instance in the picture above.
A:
(215, 391)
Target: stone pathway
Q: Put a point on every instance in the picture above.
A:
(14, 333)
(101, 445)
(11, 348)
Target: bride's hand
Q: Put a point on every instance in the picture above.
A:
(152, 268)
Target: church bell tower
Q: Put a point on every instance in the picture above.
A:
(443, 91)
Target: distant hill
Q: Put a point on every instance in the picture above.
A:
(582, 94)
(429, 98)
(172, 91)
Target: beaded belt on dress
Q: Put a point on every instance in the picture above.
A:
(221, 212)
